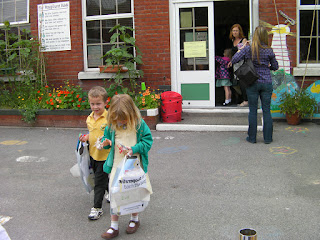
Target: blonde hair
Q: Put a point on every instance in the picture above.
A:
(260, 40)
(241, 34)
(228, 53)
(122, 108)
(98, 91)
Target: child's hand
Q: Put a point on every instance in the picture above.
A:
(84, 137)
(229, 64)
(106, 142)
(125, 150)
(130, 152)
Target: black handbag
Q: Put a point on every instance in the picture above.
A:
(247, 73)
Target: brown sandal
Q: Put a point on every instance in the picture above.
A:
(131, 230)
(107, 235)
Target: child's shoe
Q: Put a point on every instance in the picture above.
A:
(132, 227)
(107, 198)
(95, 213)
(110, 233)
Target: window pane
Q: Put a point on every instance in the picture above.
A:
(106, 48)
(93, 7)
(309, 2)
(126, 22)
(304, 44)
(186, 18)
(21, 9)
(306, 23)
(186, 63)
(8, 11)
(201, 17)
(124, 6)
(108, 7)
(94, 56)
(93, 32)
(106, 26)
(186, 36)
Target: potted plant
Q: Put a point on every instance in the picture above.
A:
(297, 105)
(123, 58)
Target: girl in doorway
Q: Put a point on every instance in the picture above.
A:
(223, 75)
(126, 133)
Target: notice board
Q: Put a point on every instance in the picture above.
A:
(54, 26)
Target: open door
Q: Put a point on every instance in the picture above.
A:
(194, 54)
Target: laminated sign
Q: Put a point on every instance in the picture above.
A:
(129, 192)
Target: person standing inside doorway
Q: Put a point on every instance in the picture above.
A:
(238, 42)
(223, 75)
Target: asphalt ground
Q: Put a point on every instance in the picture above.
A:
(207, 185)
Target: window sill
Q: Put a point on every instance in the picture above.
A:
(97, 75)
(311, 71)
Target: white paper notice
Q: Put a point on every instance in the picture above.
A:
(54, 26)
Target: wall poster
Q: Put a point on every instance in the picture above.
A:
(54, 26)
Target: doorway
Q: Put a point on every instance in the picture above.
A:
(227, 13)
(199, 31)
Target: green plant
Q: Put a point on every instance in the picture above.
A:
(123, 53)
(299, 101)
(147, 99)
(19, 51)
(68, 96)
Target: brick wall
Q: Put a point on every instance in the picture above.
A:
(63, 65)
(153, 39)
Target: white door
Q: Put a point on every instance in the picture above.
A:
(193, 54)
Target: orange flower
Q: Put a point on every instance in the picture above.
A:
(50, 94)
(51, 100)
(57, 106)
(78, 96)
(46, 86)
(58, 94)
(38, 91)
(79, 99)
(51, 103)
(78, 105)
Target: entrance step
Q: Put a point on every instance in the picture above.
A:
(217, 119)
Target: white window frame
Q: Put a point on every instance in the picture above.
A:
(95, 73)
(20, 22)
(313, 68)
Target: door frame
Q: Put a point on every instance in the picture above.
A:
(175, 51)
(173, 4)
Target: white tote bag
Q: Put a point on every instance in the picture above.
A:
(129, 193)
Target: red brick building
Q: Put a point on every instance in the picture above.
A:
(162, 28)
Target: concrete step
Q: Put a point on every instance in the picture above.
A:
(217, 119)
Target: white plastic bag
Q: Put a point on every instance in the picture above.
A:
(129, 193)
(86, 171)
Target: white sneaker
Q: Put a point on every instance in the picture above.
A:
(107, 197)
(95, 213)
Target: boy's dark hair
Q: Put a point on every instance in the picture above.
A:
(98, 91)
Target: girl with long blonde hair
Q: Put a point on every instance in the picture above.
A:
(128, 135)
(264, 60)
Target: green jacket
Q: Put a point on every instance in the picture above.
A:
(144, 143)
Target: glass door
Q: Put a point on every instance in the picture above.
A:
(195, 54)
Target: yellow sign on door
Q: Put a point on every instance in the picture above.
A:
(195, 49)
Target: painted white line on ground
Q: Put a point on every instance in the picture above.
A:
(203, 128)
